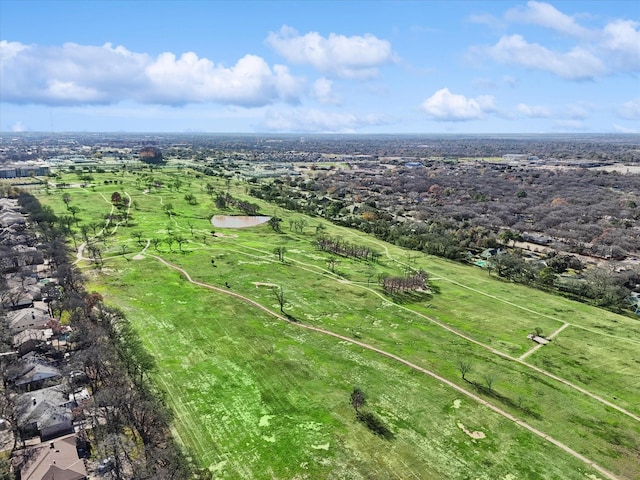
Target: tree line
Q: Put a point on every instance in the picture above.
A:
(458, 211)
(128, 418)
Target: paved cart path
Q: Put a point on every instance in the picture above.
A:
(413, 366)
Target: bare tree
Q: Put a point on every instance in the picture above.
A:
(489, 379)
(464, 366)
(357, 398)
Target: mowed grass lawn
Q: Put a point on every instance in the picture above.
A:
(257, 398)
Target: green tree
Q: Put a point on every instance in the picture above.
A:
(546, 277)
(279, 252)
(278, 291)
(138, 236)
(274, 223)
(73, 210)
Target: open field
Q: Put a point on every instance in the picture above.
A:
(256, 397)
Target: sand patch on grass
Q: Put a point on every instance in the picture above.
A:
(217, 467)
(271, 439)
(264, 420)
(324, 446)
(474, 435)
(457, 403)
(261, 284)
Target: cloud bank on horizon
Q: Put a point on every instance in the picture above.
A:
(542, 70)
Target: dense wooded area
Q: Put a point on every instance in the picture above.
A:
(459, 209)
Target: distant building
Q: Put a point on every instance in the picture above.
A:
(514, 156)
(26, 170)
(8, 173)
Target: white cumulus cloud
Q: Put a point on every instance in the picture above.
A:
(533, 111)
(630, 110)
(446, 106)
(8, 50)
(324, 93)
(19, 127)
(319, 121)
(349, 57)
(576, 64)
(74, 74)
(612, 48)
(546, 15)
(621, 43)
(250, 82)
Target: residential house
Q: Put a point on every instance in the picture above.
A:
(35, 317)
(31, 339)
(33, 372)
(55, 460)
(45, 412)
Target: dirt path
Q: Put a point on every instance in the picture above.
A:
(507, 302)
(413, 366)
(540, 345)
(502, 300)
(476, 342)
(80, 253)
(140, 256)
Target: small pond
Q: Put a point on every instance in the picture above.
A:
(238, 221)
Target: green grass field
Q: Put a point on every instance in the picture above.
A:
(255, 397)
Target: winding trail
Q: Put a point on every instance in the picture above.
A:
(473, 340)
(80, 253)
(398, 359)
(507, 302)
(480, 292)
(140, 256)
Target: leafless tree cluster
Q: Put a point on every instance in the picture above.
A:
(409, 283)
(346, 249)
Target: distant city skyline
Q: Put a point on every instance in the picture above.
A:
(416, 67)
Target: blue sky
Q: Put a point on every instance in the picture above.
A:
(307, 67)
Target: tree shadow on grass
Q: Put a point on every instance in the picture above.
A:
(404, 298)
(490, 392)
(375, 424)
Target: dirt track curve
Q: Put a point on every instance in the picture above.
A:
(413, 366)
(498, 352)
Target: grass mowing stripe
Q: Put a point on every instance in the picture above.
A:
(474, 397)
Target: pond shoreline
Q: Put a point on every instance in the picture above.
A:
(238, 221)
